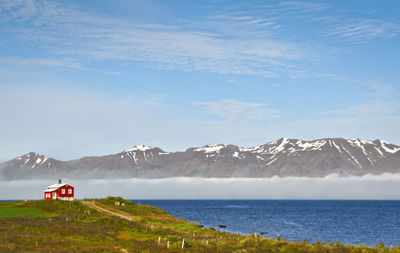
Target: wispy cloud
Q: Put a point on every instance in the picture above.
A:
(303, 6)
(53, 62)
(381, 99)
(313, 17)
(256, 40)
(235, 111)
(42, 62)
(230, 41)
(63, 31)
(362, 31)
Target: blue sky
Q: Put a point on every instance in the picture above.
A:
(90, 78)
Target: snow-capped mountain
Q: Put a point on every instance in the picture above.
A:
(284, 157)
(29, 165)
(33, 159)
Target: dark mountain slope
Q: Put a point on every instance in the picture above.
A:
(284, 157)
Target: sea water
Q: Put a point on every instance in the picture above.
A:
(367, 222)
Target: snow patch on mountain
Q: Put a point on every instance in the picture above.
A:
(308, 146)
(32, 159)
(38, 160)
(270, 162)
(142, 148)
(388, 149)
(210, 148)
(280, 147)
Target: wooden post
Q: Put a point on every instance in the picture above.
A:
(183, 243)
(167, 244)
(159, 239)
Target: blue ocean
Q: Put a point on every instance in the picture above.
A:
(366, 222)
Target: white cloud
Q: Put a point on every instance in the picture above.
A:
(235, 111)
(385, 186)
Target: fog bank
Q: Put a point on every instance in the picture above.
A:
(384, 186)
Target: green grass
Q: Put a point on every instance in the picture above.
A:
(57, 226)
(21, 212)
(15, 209)
(132, 208)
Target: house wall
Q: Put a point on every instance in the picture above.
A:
(63, 193)
(66, 191)
(48, 195)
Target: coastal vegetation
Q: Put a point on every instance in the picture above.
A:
(117, 225)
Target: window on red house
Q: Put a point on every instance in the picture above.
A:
(69, 191)
(63, 191)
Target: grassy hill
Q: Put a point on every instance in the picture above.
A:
(102, 226)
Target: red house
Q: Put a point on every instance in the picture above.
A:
(59, 191)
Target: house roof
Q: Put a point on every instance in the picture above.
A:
(56, 186)
(50, 190)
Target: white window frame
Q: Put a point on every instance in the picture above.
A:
(62, 191)
(69, 191)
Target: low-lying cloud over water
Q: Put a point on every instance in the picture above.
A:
(384, 186)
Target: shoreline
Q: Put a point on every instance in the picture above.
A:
(97, 227)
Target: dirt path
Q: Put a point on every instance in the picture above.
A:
(122, 215)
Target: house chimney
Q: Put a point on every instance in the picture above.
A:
(59, 181)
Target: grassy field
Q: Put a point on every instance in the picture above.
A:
(17, 210)
(57, 226)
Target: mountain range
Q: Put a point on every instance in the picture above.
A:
(284, 157)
